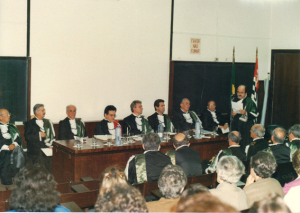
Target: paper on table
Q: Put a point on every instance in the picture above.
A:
(104, 137)
(225, 130)
(47, 151)
(203, 131)
(236, 106)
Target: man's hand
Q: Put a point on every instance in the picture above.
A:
(211, 160)
(225, 126)
(50, 147)
(243, 112)
(250, 180)
(233, 113)
(12, 146)
(43, 134)
(221, 127)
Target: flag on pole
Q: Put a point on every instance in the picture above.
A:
(233, 74)
(255, 80)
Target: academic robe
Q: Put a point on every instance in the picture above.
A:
(280, 151)
(208, 122)
(244, 127)
(155, 162)
(154, 122)
(65, 132)
(294, 146)
(101, 128)
(256, 146)
(129, 122)
(8, 170)
(35, 143)
(180, 123)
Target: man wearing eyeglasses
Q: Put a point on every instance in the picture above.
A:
(10, 139)
(71, 127)
(108, 125)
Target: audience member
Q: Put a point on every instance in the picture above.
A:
(258, 143)
(292, 199)
(259, 183)
(184, 156)
(147, 166)
(296, 165)
(202, 202)
(234, 149)
(194, 189)
(229, 170)
(280, 151)
(121, 198)
(270, 204)
(171, 183)
(294, 138)
(34, 191)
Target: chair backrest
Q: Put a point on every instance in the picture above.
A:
(148, 187)
(83, 199)
(208, 180)
(140, 187)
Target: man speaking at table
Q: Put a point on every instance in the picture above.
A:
(243, 119)
(184, 119)
(135, 123)
(71, 127)
(108, 125)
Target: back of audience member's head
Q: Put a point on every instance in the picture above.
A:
(236, 139)
(278, 135)
(272, 203)
(194, 189)
(180, 139)
(230, 169)
(172, 181)
(111, 176)
(121, 198)
(259, 130)
(151, 141)
(296, 161)
(34, 190)
(295, 130)
(264, 164)
(202, 202)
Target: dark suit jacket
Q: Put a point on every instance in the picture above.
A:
(208, 121)
(236, 151)
(64, 130)
(180, 123)
(153, 121)
(129, 122)
(256, 146)
(155, 162)
(101, 128)
(189, 160)
(32, 133)
(281, 153)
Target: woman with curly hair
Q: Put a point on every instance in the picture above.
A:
(34, 191)
(121, 198)
(259, 183)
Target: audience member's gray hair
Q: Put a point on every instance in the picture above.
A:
(230, 169)
(259, 130)
(264, 164)
(67, 107)
(177, 143)
(171, 181)
(295, 130)
(151, 141)
(235, 138)
(194, 189)
(36, 107)
(183, 100)
(133, 104)
(276, 136)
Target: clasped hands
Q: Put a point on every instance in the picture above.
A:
(243, 112)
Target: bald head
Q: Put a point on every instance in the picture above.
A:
(4, 116)
(185, 105)
(241, 92)
(180, 139)
(278, 135)
(257, 130)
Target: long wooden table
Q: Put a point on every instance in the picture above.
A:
(71, 163)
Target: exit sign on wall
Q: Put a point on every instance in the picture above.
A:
(195, 46)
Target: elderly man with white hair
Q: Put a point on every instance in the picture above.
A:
(229, 170)
(257, 133)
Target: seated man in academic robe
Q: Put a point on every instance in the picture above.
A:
(280, 151)
(10, 141)
(185, 119)
(160, 118)
(135, 123)
(39, 134)
(234, 149)
(257, 133)
(108, 125)
(211, 118)
(245, 119)
(294, 138)
(147, 166)
(71, 127)
(184, 156)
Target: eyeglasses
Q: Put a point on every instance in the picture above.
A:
(7, 114)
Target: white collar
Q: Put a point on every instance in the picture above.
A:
(181, 146)
(38, 119)
(159, 114)
(234, 146)
(3, 123)
(274, 144)
(258, 138)
(211, 111)
(137, 115)
(72, 119)
(295, 139)
(183, 111)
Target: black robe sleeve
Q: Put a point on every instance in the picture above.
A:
(132, 179)
(64, 130)
(101, 128)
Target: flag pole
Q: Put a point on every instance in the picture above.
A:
(232, 85)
